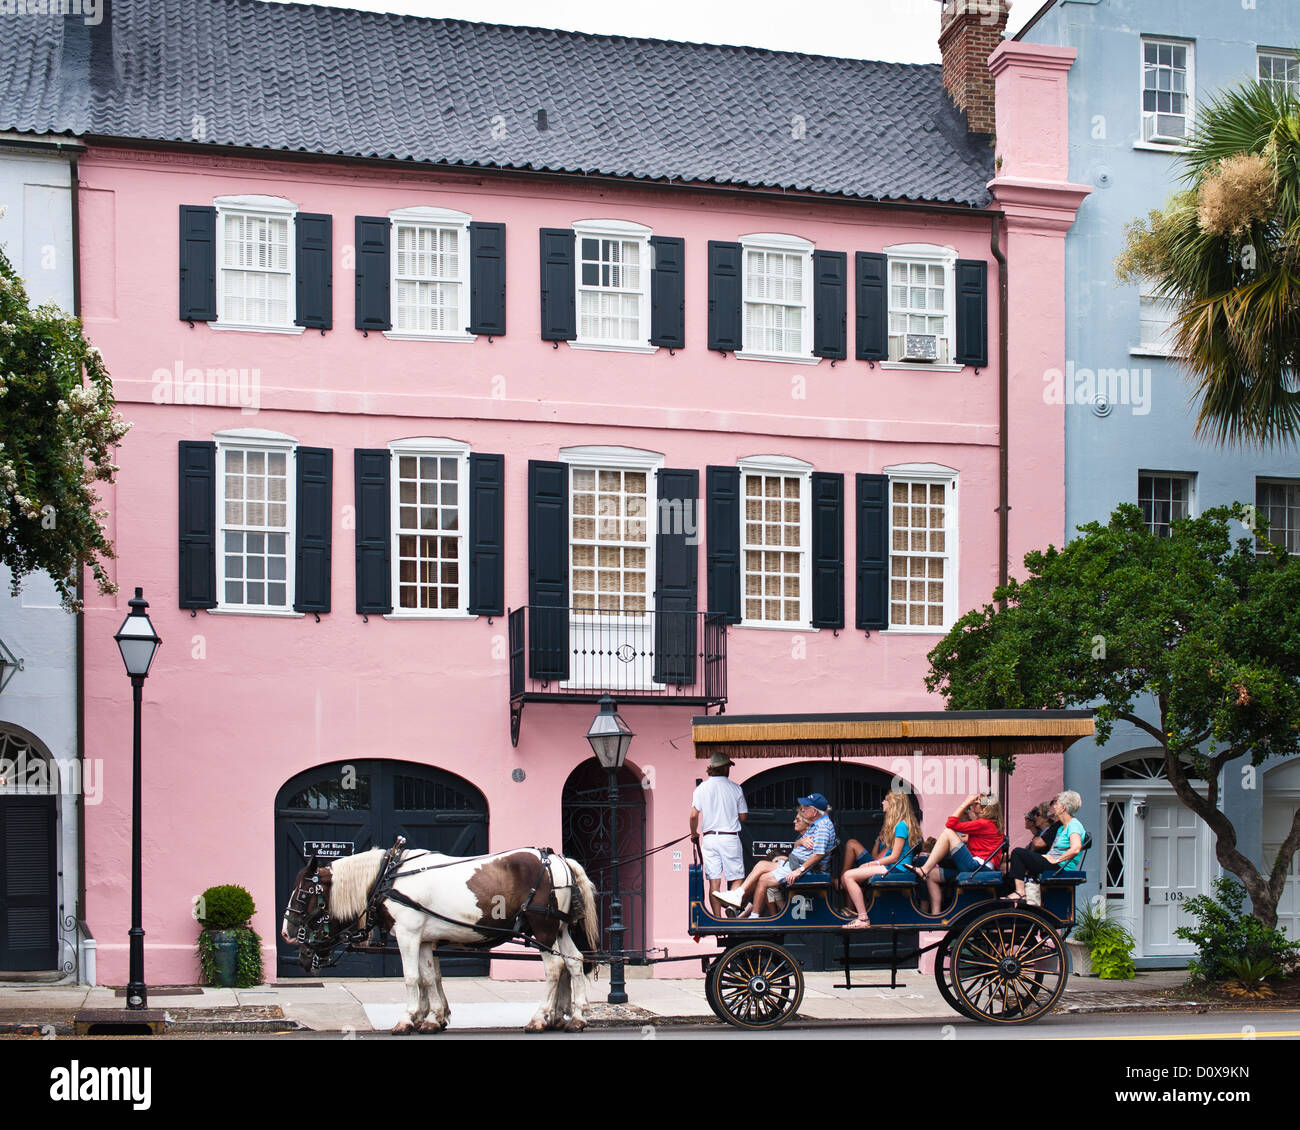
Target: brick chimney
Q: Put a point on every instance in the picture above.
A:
(969, 32)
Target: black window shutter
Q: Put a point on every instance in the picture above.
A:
(972, 313)
(873, 552)
(315, 528)
(830, 304)
(668, 294)
(873, 306)
(827, 550)
(374, 308)
(374, 542)
(548, 570)
(314, 251)
(487, 532)
(724, 296)
(198, 263)
(198, 524)
(559, 315)
(487, 279)
(677, 577)
(723, 560)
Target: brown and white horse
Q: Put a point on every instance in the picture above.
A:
(475, 902)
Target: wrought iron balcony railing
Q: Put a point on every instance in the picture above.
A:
(565, 654)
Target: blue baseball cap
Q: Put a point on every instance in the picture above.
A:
(817, 801)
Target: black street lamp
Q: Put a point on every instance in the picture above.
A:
(610, 737)
(137, 642)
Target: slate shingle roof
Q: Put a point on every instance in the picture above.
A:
(332, 81)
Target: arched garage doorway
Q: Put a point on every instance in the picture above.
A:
(349, 807)
(29, 902)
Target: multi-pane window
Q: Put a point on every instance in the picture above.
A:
(429, 531)
(428, 291)
(1279, 503)
(256, 538)
(610, 542)
(1115, 834)
(777, 301)
(1164, 499)
(1166, 90)
(774, 548)
(920, 550)
(918, 304)
(611, 289)
(1156, 324)
(256, 269)
(1280, 69)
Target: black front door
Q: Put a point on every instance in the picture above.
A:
(349, 807)
(857, 796)
(29, 938)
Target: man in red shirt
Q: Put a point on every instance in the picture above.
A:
(979, 819)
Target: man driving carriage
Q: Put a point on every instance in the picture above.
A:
(809, 853)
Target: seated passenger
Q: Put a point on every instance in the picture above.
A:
(901, 820)
(979, 818)
(1065, 849)
(806, 855)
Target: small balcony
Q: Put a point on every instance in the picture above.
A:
(566, 654)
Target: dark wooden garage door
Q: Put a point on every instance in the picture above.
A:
(349, 807)
(29, 937)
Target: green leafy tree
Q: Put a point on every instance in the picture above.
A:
(58, 432)
(1196, 631)
(1225, 252)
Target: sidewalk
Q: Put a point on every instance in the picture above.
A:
(480, 1003)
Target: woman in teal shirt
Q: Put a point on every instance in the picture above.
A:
(906, 828)
(1064, 851)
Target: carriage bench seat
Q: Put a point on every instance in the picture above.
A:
(987, 877)
(898, 877)
(814, 879)
(1063, 878)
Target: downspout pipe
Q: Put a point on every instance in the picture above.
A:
(1004, 502)
(75, 188)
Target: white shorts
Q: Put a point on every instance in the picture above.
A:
(723, 858)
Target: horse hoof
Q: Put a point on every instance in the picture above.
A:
(574, 1025)
(535, 1025)
(403, 1028)
(432, 1025)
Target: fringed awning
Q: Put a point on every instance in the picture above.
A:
(983, 734)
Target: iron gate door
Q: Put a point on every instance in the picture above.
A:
(345, 808)
(857, 796)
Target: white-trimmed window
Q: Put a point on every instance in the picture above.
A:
(430, 517)
(776, 536)
(923, 547)
(613, 263)
(430, 262)
(255, 263)
(255, 504)
(777, 289)
(1164, 498)
(1278, 500)
(1167, 86)
(1156, 325)
(1280, 69)
(921, 303)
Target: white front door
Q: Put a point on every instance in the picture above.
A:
(1279, 811)
(1174, 866)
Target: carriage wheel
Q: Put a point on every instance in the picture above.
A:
(1008, 967)
(711, 990)
(944, 979)
(755, 985)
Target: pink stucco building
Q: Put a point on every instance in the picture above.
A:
(441, 430)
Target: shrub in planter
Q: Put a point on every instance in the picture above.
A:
(229, 951)
(1225, 936)
(1109, 944)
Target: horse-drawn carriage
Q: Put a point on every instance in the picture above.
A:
(996, 960)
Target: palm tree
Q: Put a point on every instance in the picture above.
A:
(1225, 253)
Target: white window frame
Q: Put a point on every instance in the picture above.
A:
(1164, 346)
(624, 230)
(1165, 146)
(261, 207)
(258, 439)
(438, 448)
(789, 467)
(1188, 477)
(786, 245)
(929, 254)
(1272, 480)
(928, 473)
(1288, 58)
(439, 219)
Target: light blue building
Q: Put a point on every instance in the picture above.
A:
(41, 777)
(1143, 69)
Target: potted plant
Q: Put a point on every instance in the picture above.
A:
(1100, 946)
(230, 950)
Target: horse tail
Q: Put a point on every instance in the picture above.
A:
(587, 911)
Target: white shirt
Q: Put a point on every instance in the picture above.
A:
(719, 802)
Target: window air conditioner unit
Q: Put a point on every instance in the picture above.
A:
(920, 347)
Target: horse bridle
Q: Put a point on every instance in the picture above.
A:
(316, 934)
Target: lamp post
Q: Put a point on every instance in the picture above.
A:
(137, 641)
(610, 737)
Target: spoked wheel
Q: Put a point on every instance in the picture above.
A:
(944, 979)
(1008, 967)
(755, 985)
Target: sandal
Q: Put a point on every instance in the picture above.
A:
(915, 870)
(858, 924)
(1013, 898)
